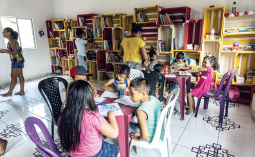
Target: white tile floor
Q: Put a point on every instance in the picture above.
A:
(187, 135)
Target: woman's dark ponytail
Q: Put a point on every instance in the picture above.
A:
(14, 34)
(136, 28)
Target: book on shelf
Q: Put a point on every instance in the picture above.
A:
(109, 21)
(140, 17)
(107, 45)
(81, 21)
(165, 19)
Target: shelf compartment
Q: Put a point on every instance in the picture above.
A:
(127, 21)
(53, 43)
(149, 29)
(112, 20)
(165, 36)
(149, 13)
(50, 32)
(85, 19)
(93, 70)
(178, 15)
(117, 37)
(193, 33)
(213, 18)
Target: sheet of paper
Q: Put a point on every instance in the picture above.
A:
(99, 99)
(170, 75)
(103, 110)
(127, 101)
(108, 94)
(184, 73)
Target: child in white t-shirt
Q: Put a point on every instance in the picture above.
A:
(81, 47)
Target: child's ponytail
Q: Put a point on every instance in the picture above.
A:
(215, 65)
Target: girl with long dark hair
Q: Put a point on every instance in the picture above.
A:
(17, 59)
(80, 127)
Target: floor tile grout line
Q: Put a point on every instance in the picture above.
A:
(182, 133)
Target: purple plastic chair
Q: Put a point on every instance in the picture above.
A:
(31, 131)
(221, 93)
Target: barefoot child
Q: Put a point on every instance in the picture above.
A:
(147, 113)
(122, 76)
(17, 60)
(80, 127)
(210, 63)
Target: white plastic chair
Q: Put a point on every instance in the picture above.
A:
(134, 73)
(164, 146)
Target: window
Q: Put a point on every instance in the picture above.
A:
(24, 26)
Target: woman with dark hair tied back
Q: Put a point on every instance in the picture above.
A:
(133, 48)
(17, 60)
(80, 127)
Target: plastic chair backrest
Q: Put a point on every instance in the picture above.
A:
(165, 117)
(134, 73)
(225, 87)
(49, 89)
(32, 133)
(152, 77)
(171, 61)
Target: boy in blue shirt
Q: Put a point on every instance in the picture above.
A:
(147, 113)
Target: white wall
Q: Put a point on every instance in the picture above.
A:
(61, 8)
(37, 61)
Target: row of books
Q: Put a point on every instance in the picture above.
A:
(140, 17)
(107, 21)
(58, 25)
(161, 46)
(113, 57)
(97, 33)
(165, 19)
(127, 33)
(107, 45)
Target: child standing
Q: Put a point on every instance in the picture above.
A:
(210, 63)
(153, 59)
(180, 63)
(81, 47)
(122, 76)
(160, 68)
(17, 60)
(145, 64)
(80, 127)
(147, 113)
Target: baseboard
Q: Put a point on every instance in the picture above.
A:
(26, 79)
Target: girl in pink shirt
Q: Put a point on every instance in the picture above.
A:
(210, 63)
(80, 127)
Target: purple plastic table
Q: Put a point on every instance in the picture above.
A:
(181, 79)
(123, 124)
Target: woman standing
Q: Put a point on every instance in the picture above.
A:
(133, 48)
(15, 52)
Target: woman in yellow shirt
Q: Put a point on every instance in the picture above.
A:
(133, 48)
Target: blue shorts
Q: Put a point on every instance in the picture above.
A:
(107, 150)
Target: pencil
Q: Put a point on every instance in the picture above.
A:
(121, 107)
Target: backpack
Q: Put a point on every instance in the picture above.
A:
(234, 92)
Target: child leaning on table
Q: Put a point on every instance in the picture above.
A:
(180, 63)
(147, 113)
(122, 76)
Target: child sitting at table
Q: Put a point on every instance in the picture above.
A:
(145, 64)
(153, 59)
(80, 126)
(210, 63)
(147, 113)
(79, 73)
(159, 68)
(122, 76)
(180, 63)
